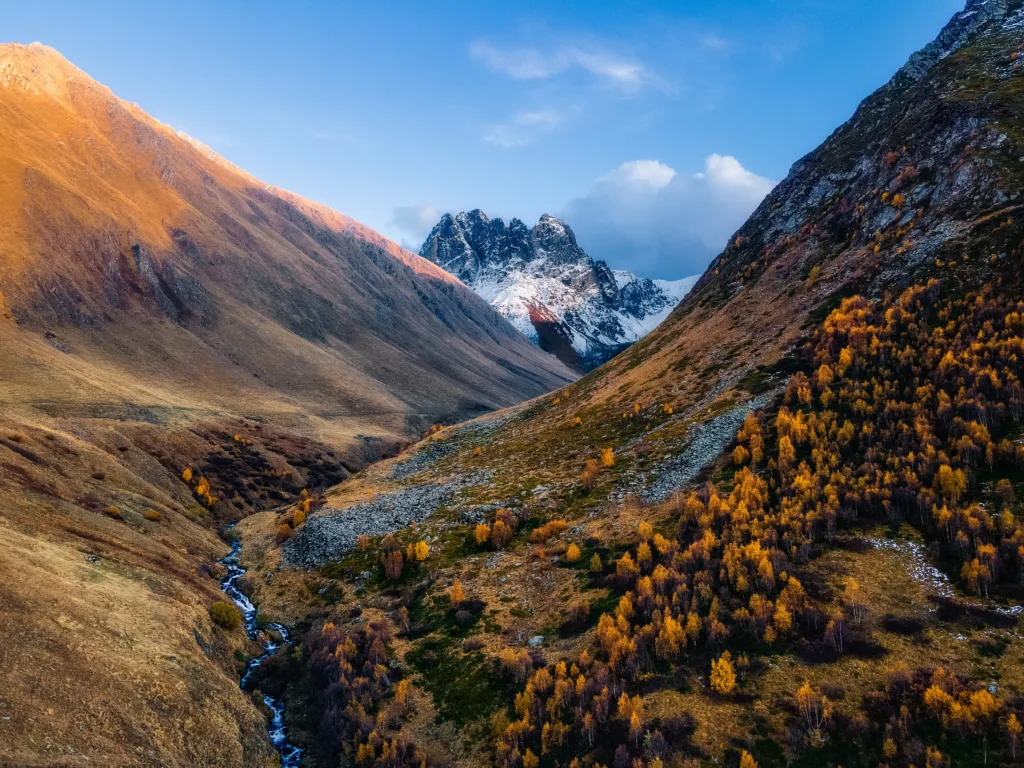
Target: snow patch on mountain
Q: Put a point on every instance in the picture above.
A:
(546, 286)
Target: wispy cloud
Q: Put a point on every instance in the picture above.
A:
(517, 63)
(782, 46)
(547, 117)
(412, 223)
(529, 63)
(523, 128)
(714, 42)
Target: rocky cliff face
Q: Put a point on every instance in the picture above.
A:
(549, 288)
(928, 164)
(924, 181)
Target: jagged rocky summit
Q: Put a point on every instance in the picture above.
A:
(539, 279)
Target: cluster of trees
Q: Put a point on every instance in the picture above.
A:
(200, 487)
(672, 604)
(566, 709)
(648, 414)
(907, 404)
(592, 468)
(909, 400)
(723, 574)
(499, 532)
(391, 555)
(296, 518)
(365, 699)
(926, 702)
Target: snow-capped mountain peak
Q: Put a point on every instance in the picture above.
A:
(549, 288)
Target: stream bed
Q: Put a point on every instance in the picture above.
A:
(291, 756)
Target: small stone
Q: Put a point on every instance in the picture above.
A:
(535, 641)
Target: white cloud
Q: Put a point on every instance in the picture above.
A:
(505, 136)
(522, 63)
(412, 223)
(627, 74)
(522, 129)
(646, 217)
(639, 173)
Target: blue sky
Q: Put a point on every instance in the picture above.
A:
(653, 126)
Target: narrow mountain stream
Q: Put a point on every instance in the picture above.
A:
(291, 756)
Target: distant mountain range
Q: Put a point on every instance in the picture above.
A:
(543, 283)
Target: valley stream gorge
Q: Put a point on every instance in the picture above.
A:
(291, 756)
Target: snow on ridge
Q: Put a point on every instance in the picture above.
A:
(514, 292)
(542, 276)
(677, 288)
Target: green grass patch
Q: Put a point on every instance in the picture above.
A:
(464, 685)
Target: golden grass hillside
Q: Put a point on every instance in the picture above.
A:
(163, 310)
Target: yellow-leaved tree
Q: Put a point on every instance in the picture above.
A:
(723, 677)
(482, 533)
(608, 457)
(456, 593)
